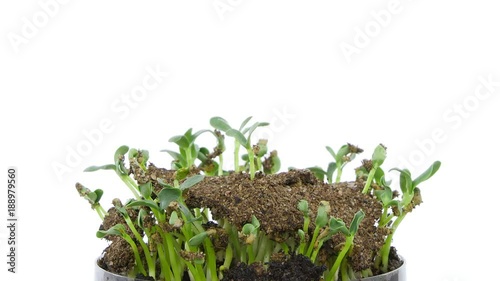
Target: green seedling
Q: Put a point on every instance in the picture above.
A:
(339, 226)
(184, 160)
(344, 155)
(410, 199)
(93, 197)
(240, 139)
(378, 157)
(121, 170)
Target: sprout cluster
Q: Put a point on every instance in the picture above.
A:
(170, 241)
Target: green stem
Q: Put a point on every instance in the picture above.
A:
(344, 272)
(313, 241)
(367, 273)
(147, 254)
(211, 259)
(316, 250)
(196, 272)
(165, 268)
(251, 159)
(173, 256)
(221, 162)
(236, 156)
(369, 180)
(388, 241)
(228, 258)
(137, 257)
(265, 248)
(385, 218)
(339, 174)
(100, 211)
(332, 275)
(131, 185)
(250, 254)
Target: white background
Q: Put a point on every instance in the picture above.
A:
(412, 77)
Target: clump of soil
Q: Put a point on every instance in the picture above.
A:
(296, 268)
(118, 257)
(273, 200)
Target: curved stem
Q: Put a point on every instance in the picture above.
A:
(131, 185)
(332, 275)
(312, 242)
(369, 180)
(388, 241)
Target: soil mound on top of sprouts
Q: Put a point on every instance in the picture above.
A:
(273, 200)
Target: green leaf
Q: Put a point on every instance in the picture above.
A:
(174, 154)
(140, 218)
(196, 240)
(255, 126)
(145, 156)
(117, 230)
(122, 150)
(330, 150)
(182, 173)
(146, 189)
(238, 136)
(121, 169)
(302, 234)
(304, 207)
(181, 141)
(322, 216)
(262, 147)
(405, 181)
(379, 177)
(146, 202)
(427, 174)
(244, 123)
(338, 225)
(379, 155)
(197, 134)
(168, 195)
(189, 135)
(356, 221)
(191, 181)
(276, 162)
(219, 123)
(255, 221)
(133, 153)
(163, 183)
(318, 172)
(248, 229)
(332, 166)
(91, 197)
(244, 157)
(341, 153)
(98, 193)
(103, 167)
(173, 218)
(385, 195)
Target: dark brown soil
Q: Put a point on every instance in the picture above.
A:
(273, 200)
(296, 268)
(118, 257)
